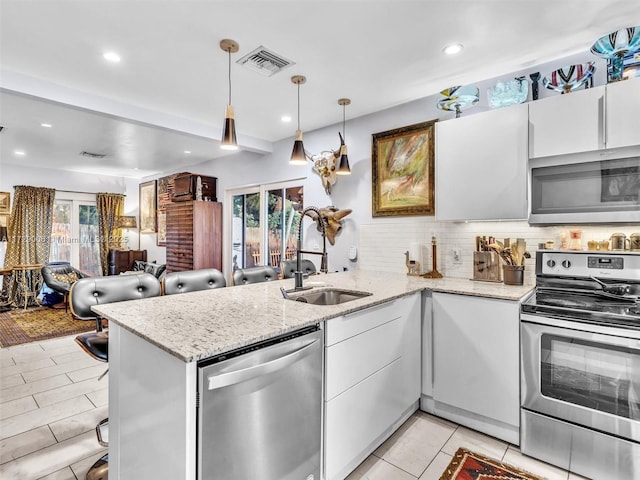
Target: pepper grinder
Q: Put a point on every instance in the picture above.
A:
(434, 273)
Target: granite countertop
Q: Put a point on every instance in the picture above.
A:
(198, 325)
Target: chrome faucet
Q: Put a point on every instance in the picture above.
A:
(323, 263)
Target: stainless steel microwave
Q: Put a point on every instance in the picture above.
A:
(594, 187)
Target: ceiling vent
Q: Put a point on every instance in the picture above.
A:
(92, 155)
(264, 61)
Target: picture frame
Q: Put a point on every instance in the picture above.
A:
(147, 202)
(402, 171)
(164, 191)
(162, 228)
(5, 202)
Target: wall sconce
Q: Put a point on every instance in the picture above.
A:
(229, 132)
(126, 222)
(298, 155)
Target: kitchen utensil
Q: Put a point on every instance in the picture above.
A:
(634, 242)
(614, 288)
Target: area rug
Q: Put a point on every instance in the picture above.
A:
(38, 323)
(467, 465)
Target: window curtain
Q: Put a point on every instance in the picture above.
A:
(29, 238)
(110, 206)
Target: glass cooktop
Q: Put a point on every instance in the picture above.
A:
(592, 307)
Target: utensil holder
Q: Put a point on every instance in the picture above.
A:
(513, 274)
(486, 267)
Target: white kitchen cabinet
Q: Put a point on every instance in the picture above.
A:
(372, 380)
(476, 378)
(426, 399)
(623, 121)
(587, 120)
(481, 166)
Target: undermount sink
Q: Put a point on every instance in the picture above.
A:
(329, 296)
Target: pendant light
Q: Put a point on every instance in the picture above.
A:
(343, 163)
(229, 141)
(298, 157)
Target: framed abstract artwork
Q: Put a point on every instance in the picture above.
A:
(403, 171)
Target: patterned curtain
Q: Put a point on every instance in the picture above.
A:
(28, 240)
(110, 206)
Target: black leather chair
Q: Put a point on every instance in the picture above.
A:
(289, 267)
(60, 278)
(244, 276)
(91, 291)
(193, 280)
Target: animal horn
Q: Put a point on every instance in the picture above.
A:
(340, 214)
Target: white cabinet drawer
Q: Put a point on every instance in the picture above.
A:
(341, 328)
(359, 416)
(350, 361)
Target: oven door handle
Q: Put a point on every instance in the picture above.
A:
(620, 337)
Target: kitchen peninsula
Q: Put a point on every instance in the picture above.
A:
(155, 345)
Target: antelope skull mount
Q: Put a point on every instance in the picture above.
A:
(324, 164)
(332, 218)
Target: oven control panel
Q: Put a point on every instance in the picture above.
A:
(615, 265)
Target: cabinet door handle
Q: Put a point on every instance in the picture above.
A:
(603, 119)
(374, 307)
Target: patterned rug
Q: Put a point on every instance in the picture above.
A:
(467, 465)
(38, 323)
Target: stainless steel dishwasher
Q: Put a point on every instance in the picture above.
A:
(259, 412)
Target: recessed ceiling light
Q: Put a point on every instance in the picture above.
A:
(111, 57)
(285, 118)
(453, 49)
(18, 152)
(187, 152)
(46, 125)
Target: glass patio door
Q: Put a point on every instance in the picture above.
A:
(264, 224)
(74, 236)
(246, 234)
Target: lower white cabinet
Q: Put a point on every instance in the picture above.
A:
(372, 380)
(476, 363)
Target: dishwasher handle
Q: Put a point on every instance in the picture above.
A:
(239, 376)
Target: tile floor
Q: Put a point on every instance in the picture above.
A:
(50, 403)
(51, 400)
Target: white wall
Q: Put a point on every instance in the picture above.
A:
(381, 241)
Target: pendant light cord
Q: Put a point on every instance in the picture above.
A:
(298, 106)
(229, 52)
(344, 128)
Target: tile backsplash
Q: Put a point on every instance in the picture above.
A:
(382, 245)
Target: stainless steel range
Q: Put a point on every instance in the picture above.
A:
(580, 361)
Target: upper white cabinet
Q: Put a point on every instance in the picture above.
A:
(481, 166)
(586, 120)
(623, 114)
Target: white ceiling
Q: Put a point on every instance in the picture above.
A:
(169, 91)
